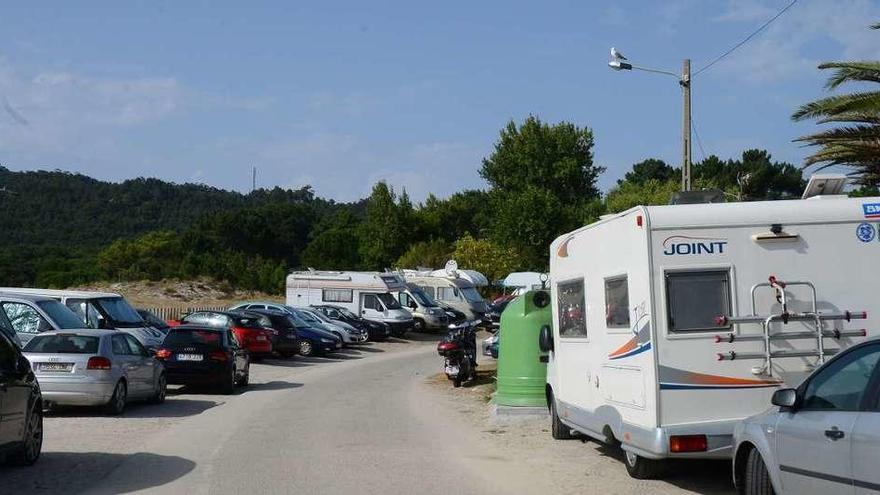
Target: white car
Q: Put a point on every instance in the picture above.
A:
(822, 438)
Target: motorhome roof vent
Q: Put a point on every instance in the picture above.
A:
(697, 197)
(825, 185)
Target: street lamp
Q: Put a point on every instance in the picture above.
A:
(684, 80)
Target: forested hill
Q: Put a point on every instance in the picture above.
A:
(56, 223)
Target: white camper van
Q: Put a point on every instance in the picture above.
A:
(368, 294)
(452, 286)
(673, 323)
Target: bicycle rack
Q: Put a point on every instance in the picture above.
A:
(785, 316)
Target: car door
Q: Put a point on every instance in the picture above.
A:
(130, 364)
(814, 442)
(146, 372)
(14, 393)
(371, 307)
(866, 442)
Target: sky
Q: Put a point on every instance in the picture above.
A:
(341, 94)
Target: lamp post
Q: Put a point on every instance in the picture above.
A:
(618, 62)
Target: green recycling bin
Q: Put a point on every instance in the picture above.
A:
(521, 376)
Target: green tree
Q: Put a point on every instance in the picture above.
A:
(650, 169)
(542, 178)
(650, 192)
(333, 244)
(856, 142)
(486, 257)
(431, 254)
(386, 230)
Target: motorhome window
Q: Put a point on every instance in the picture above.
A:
(471, 295)
(371, 302)
(572, 310)
(423, 299)
(85, 311)
(429, 291)
(118, 309)
(337, 295)
(447, 294)
(389, 301)
(695, 299)
(617, 302)
(406, 301)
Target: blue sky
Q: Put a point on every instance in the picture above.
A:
(341, 94)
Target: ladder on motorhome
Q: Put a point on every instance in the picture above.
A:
(812, 317)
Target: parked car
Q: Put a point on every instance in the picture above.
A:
(376, 330)
(249, 328)
(317, 342)
(31, 314)
(820, 438)
(6, 329)
(495, 309)
(21, 421)
(205, 355)
(490, 345)
(455, 316)
(94, 367)
(154, 321)
(285, 342)
(105, 310)
(348, 333)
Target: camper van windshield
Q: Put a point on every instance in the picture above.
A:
(120, 311)
(388, 300)
(471, 295)
(423, 299)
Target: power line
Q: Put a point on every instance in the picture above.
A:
(697, 135)
(747, 38)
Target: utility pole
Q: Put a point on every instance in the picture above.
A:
(685, 82)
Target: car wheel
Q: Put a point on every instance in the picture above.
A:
(117, 402)
(639, 467)
(228, 385)
(418, 325)
(306, 348)
(757, 478)
(32, 444)
(161, 390)
(558, 429)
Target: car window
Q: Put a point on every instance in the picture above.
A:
(189, 336)
(8, 355)
(135, 347)
(616, 302)
(86, 312)
(24, 318)
(119, 346)
(62, 344)
(371, 302)
(842, 384)
(61, 314)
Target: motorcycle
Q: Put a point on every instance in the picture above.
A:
(459, 350)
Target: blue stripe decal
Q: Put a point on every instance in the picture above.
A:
(684, 386)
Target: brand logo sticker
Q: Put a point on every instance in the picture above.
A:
(680, 245)
(872, 210)
(865, 232)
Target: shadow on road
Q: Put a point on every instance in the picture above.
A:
(698, 476)
(73, 472)
(296, 362)
(275, 385)
(172, 408)
(366, 347)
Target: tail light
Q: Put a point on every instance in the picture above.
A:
(163, 354)
(98, 363)
(688, 443)
(218, 356)
(447, 346)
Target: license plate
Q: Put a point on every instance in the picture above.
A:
(452, 370)
(190, 357)
(56, 367)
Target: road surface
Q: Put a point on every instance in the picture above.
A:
(366, 422)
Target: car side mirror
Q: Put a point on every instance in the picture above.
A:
(786, 397)
(545, 339)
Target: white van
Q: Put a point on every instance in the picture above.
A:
(453, 287)
(673, 323)
(106, 310)
(368, 294)
(427, 314)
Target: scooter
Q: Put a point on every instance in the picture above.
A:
(459, 348)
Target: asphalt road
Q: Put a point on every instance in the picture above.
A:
(365, 422)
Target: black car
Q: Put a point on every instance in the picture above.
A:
(376, 330)
(154, 321)
(456, 317)
(495, 310)
(285, 340)
(21, 405)
(203, 355)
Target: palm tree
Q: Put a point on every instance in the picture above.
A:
(857, 144)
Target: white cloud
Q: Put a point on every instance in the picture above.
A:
(787, 49)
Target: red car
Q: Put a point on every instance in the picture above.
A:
(250, 329)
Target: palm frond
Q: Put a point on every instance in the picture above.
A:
(864, 102)
(855, 117)
(853, 134)
(863, 71)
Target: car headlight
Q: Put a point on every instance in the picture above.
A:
(326, 341)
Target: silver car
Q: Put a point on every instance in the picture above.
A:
(821, 438)
(348, 333)
(94, 367)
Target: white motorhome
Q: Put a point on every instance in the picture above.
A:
(668, 329)
(453, 287)
(368, 294)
